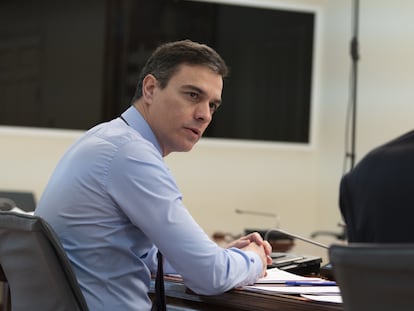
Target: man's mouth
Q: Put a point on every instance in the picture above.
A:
(195, 131)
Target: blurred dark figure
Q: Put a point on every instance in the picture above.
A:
(376, 196)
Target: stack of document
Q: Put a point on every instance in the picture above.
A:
(283, 282)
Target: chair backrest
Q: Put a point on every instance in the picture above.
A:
(35, 266)
(24, 200)
(374, 276)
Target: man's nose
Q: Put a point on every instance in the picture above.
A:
(203, 112)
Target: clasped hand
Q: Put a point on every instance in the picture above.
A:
(254, 242)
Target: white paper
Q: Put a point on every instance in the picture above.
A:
(277, 276)
(275, 282)
(323, 298)
(315, 290)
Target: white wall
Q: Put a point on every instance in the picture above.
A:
(300, 184)
(28, 156)
(385, 86)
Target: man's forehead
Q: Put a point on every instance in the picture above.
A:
(186, 67)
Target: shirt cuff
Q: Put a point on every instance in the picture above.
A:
(256, 266)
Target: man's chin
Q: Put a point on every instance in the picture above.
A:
(187, 147)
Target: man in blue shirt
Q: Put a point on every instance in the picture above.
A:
(114, 203)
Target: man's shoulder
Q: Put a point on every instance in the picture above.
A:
(396, 152)
(116, 134)
(402, 145)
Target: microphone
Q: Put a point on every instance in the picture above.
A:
(239, 211)
(258, 213)
(294, 236)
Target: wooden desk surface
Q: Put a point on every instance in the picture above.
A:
(178, 295)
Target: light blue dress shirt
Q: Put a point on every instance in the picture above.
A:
(113, 202)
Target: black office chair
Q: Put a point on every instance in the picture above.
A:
(374, 276)
(35, 268)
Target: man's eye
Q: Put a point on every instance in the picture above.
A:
(213, 107)
(193, 95)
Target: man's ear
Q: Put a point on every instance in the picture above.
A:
(148, 86)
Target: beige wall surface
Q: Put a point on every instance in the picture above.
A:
(298, 183)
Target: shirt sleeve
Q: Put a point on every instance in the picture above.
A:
(145, 190)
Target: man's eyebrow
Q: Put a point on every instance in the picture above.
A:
(193, 87)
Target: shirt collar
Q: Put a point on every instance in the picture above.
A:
(135, 120)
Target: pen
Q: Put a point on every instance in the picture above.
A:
(310, 283)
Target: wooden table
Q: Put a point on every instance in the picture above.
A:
(178, 295)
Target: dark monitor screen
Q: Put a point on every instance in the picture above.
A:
(267, 96)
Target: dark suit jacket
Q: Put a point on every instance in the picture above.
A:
(377, 195)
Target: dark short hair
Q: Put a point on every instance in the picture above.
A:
(166, 59)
